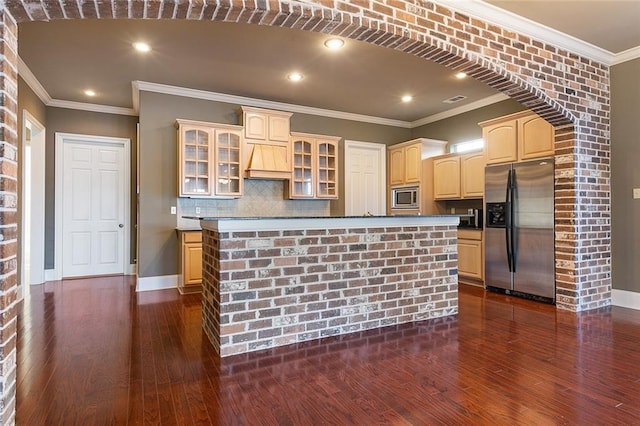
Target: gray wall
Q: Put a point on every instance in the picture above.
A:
(625, 175)
(62, 120)
(464, 127)
(158, 165)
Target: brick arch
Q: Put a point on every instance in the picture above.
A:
(569, 91)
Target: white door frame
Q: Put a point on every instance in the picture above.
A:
(382, 168)
(61, 138)
(37, 144)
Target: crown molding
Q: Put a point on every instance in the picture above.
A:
(627, 55)
(519, 24)
(32, 82)
(260, 103)
(460, 110)
(83, 106)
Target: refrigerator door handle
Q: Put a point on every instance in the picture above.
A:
(508, 220)
(512, 233)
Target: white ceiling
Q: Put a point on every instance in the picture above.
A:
(68, 56)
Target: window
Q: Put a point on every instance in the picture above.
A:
(473, 145)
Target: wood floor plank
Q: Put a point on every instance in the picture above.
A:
(96, 352)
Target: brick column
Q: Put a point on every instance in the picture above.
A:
(8, 214)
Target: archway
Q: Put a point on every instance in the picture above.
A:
(569, 91)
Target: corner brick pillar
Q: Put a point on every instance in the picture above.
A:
(8, 214)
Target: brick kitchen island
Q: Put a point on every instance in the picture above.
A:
(270, 282)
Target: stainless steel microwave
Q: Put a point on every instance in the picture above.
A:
(405, 197)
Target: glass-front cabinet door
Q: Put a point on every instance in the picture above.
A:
(315, 166)
(195, 156)
(229, 175)
(327, 186)
(209, 160)
(302, 177)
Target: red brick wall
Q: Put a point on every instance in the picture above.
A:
(8, 212)
(263, 289)
(570, 91)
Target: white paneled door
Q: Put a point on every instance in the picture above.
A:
(365, 177)
(93, 208)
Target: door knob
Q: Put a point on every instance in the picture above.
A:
(121, 225)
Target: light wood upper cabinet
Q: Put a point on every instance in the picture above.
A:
(190, 261)
(500, 142)
(279, 127)
(446, 178)
(255, 125)
(472, 175)
(267, 152)
(265, 126)
(405, 164)
(315, 166)
(194, 160)
(228, 177)
(412, 163)
(535, 138)
(458, 176)
(396, 166)
(327, 166)
(517, 137)
(209, 159)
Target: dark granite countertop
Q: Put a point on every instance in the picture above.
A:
(315, 217)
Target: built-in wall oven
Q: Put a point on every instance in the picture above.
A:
(405, 197)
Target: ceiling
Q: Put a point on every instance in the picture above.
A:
(68, 56)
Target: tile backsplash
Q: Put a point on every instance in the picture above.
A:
(262, 198)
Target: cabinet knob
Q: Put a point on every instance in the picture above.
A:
(121, 225)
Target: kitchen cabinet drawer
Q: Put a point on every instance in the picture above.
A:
(470, 234)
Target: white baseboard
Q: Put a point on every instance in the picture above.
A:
(625, 299)
(51, 275)
(161, 282)
(131, 269)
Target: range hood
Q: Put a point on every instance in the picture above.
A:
(268, 162)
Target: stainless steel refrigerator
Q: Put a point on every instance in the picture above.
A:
(519, 247)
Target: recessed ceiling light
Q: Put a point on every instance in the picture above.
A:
(461, 75)
(334, 43)
(89, 92)
(407, 98)
(142, 47)
(295, 76)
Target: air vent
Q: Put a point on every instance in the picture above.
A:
(454, 99)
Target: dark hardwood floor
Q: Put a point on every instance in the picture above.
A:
(95, 352)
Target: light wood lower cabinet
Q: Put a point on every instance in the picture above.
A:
(470, 258)
(190, 262)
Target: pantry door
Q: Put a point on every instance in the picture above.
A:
(94, 205)
(365, 178)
